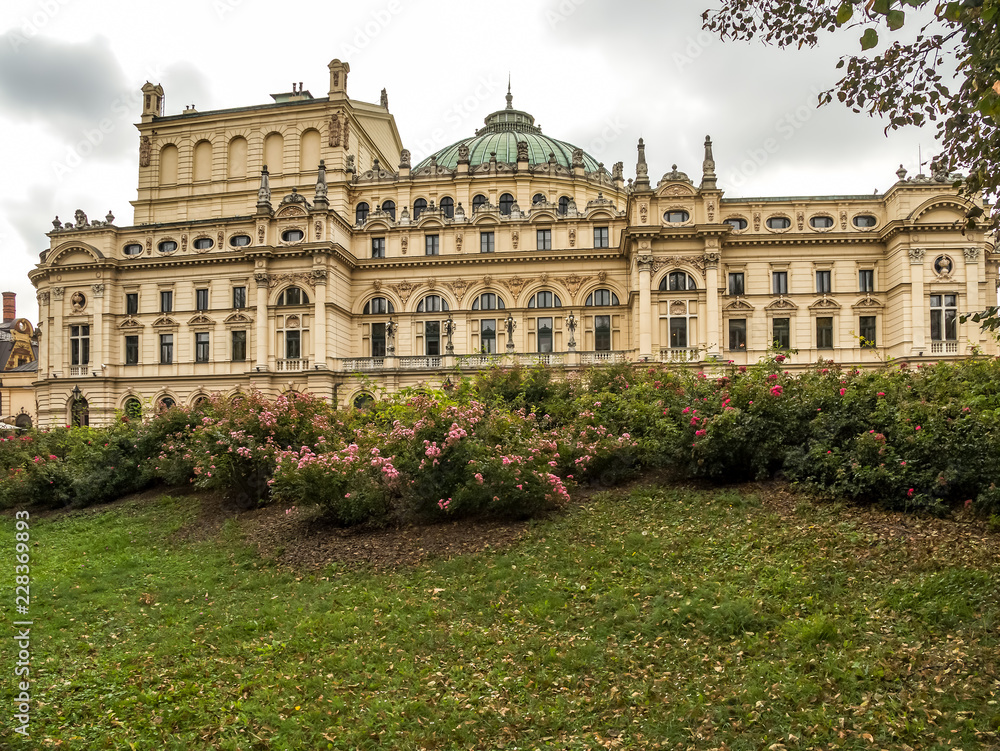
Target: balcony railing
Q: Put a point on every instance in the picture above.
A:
(944, 348)
(601, 358)
(290, 366)
(420, 362)
(481, 361)
(79, 370)
(542, 358)
(680, 354)
(362, 364)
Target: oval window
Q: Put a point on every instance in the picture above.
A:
(779, 222)
(292, 235)
(167, 246)
(676, 217)
(132, 249)
(203, 243)
(864, 221)
(239, 241)
(821, 222)
(737, 223)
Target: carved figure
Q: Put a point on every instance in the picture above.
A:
(463, 154)
(81, 219)
(78, 301)
(335, 130)
(404, 157)
(145, 149)
(522, 151)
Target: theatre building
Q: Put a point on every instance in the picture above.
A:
(293, 246)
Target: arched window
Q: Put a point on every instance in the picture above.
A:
(677, 281)
(506, 202)
(80, 412)
(601, 297)
(293, 296)
(166, 403)
(23, 420)
(133, 408)
(419, 207)
(564, 205)
(488, 301)
(379, 306)
(448, 207)
(361, 213)
(389, 207)
(478, 202)
(363, 400)
(545, 299)
(432, 304)
(538, 198)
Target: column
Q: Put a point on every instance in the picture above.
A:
(918, 303)
(645, 266)
(45, 337)
(712, 304)
(319, 320)
(263, 345)
(57, 335)
(98, 336)
(973, 303)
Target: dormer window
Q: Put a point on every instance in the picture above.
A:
(167, 246)
(478, 202)
(389, 207)
(865, 221)
(132, 249)
(239, 241)
(447, 206)
(676, 217)
(778, 222)
(821, 222)
(563, 205)
(738, 223)
(204, 243)
(506, 204)
(537, 198)
(361, 213)
(292, 235)
(419, 207)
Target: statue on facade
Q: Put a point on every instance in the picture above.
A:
(145, 150)
(334, 130)
(509, 325)
(463, 154)
(449, 329)
(390, 337)
(81, 219)
(571, 328)
(78, 301)
(404, 159)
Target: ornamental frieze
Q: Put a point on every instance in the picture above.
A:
(404, 290)
(306, 278)
(660, 262)
(459, 287)
(573, 282)
(515, 285)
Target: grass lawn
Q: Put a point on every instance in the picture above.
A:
(657, 617)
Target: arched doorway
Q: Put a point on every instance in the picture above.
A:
(79, 410)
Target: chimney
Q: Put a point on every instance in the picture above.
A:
(9, 308)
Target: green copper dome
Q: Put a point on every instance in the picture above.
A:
(504, 128)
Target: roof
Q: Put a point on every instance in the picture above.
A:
(28, 367)
(500, 136)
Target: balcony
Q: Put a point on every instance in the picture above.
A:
(420, 362)
(292, 366)
(602, 358)
(79, 370)
(680, 354)
(543, 358)
(481, 361)
(361, 364)
(944, 348)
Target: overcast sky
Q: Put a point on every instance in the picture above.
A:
(595, 73)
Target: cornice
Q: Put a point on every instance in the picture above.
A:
(480, 258)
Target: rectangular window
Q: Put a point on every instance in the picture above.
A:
(239, 297)
(79, 344)
(432, 338)
(166, 349)
(201, 346)
(166, 301)
(824, 333)
(378, 247)
(736, 283)
(432, 245)
(678, 332)
(378, 340)
(239, 346)
(944, 318)
(544, 239)
(602, 333)
(866, 280)
(487, 242)
(779, 283)
(488, 336)
(781, 333)
(601, 237)
(867, 331)
(131, 303)
(132, 350)
(293, 345)
(544, 334)
(737, 333)
(201, 299)
(822, 281)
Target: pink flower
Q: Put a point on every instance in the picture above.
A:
(909, 493)
(918, 427)
(776, 390)
(881, 393)
(843, 391)
(700, 433)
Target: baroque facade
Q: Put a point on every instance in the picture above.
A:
(293, 246)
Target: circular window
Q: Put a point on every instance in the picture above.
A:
(167, 246)
(132, 249)
(821, 222)
(239, 241)
(779, 222)
(865, 221)
(676, 217)
(203, 243)
(737, 223)
(292, 235)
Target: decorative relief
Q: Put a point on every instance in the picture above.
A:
(43, 298)
(825, 302)
(261, 229)
(335, 129)
(800, 219)
(514, 238)
(544, 278)
(145, 150)
(262, 279)
(201, 320)
(916, 255)
(572, 238)
(843, 220)
(459, 287)
(130, 323)
(404, 242)
(602, 276)
(867, 302)
(458, 241)
(404, 290)
(643, 213)
(220, 237)
(678, 308)
(78, 301)
(711, 212)
(319, 230)
(377, 285)
(318, 276)
(238, 317)
(149, 245)
(306, 278)
(488, 281)
(676, 190)
(943, 267)
(712, 260)
(57, 293)
(515, 285)
(97, 289)
(782, 304)
(971, 253)
(292, 322)
(645, 263)
(756, 221)
(431, 283)
(697, 261)
(184, 242)
(739, 305)
(573, 283)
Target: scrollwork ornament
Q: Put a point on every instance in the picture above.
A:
(58, 293)
(916, 255)
(971, 253)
